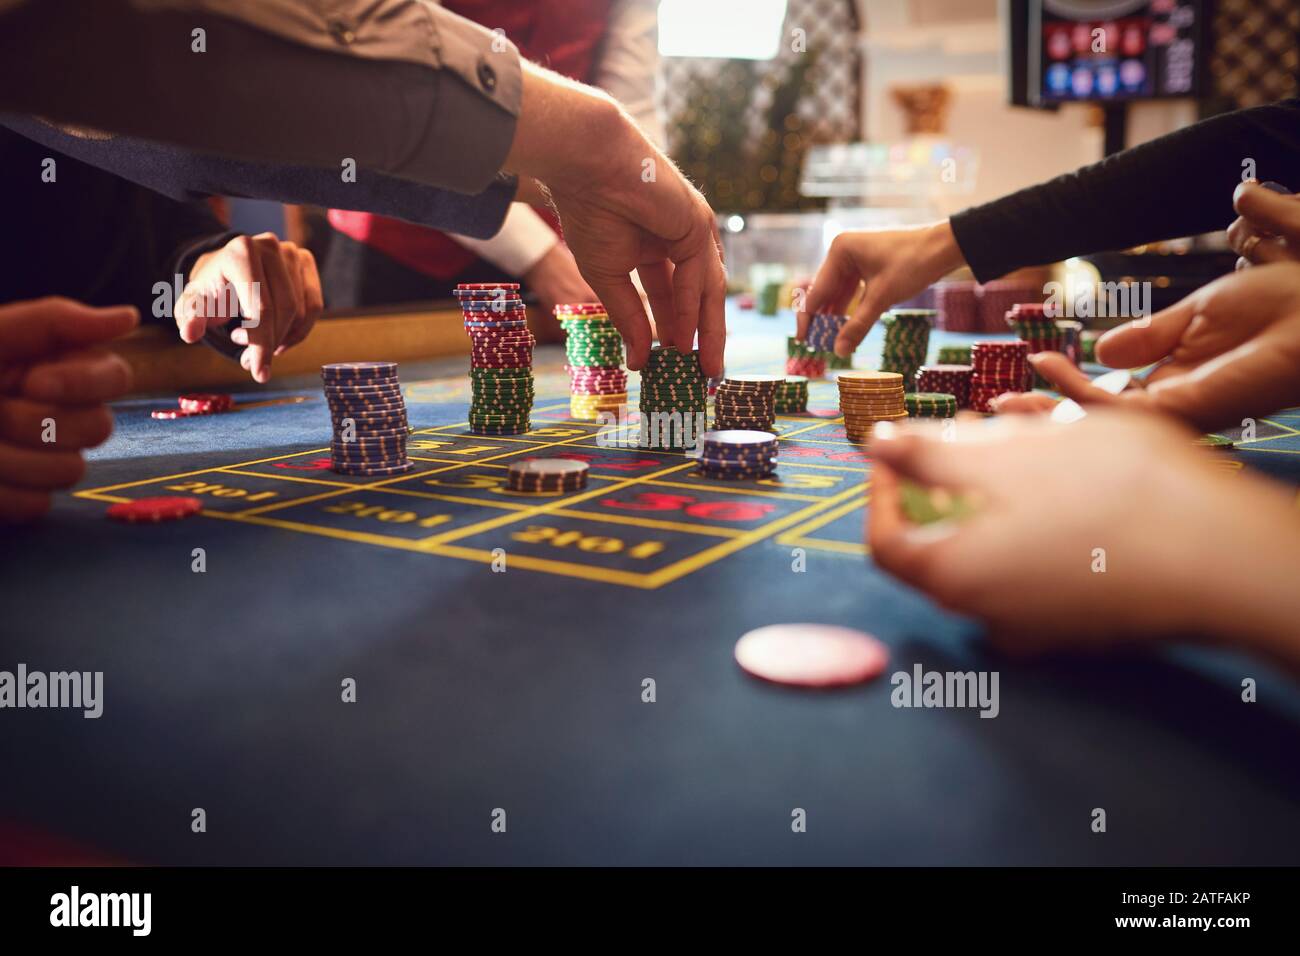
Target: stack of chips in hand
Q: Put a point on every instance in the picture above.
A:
(823, 329)
(594, 348)
(501, 357)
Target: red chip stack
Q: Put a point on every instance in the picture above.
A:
(958, 307)
(952, 379)
(997, 367)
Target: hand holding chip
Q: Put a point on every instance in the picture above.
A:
(896, 264)
(55, 383)
(1135, 561)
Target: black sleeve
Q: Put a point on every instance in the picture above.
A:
(1178, 185)
(184, 175)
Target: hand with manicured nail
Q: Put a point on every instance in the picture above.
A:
(1229, 351)
(895, 264)
(1091, 541)
(270, 287)
(55, 382)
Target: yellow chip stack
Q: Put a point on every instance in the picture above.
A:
(867, 398)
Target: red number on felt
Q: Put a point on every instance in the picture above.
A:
(651, 501)
(318, 464)
(729, 510)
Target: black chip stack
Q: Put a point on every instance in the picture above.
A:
(550, 475)
(674, 400)
(368, 415)
(746, 403)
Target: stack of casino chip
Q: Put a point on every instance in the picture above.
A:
(907, 341)
(674, 399)
(597, 379)
(930, 404)
(801, 360)
(547, 475)
(746, 403)
(867, 398)
(823, 329)
(501, 357)
(1040, 331)
(997, 367)
(792, 395)
(368, 414)
(958, 306)
(1030, 321)
(953, 355)
(952, 380)
(737, 454)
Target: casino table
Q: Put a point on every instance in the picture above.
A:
(564, 664)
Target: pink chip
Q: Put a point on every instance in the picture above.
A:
(811, 655)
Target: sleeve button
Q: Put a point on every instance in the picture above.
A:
(487, 76)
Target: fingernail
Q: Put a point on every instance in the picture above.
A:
(885, 430)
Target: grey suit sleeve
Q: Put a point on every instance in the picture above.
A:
(401, 87)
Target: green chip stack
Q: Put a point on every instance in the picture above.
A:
(501, 400)
(930, 404)
(674, 400)
(907, 342)
(591, 342)
(953, 355)
(792, 395)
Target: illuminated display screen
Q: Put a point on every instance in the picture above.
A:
(1115, 49)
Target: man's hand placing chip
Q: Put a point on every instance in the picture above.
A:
(1156, 540)
(624, 206)
(55, 383)
(1229, 351)
(270, 288)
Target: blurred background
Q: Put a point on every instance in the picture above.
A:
(801, 118)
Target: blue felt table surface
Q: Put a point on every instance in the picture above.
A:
(523, 691)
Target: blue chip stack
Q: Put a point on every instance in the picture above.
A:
(368, 415)
(737, 455)
(823, 330)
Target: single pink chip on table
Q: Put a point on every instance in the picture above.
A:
(811, 655)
